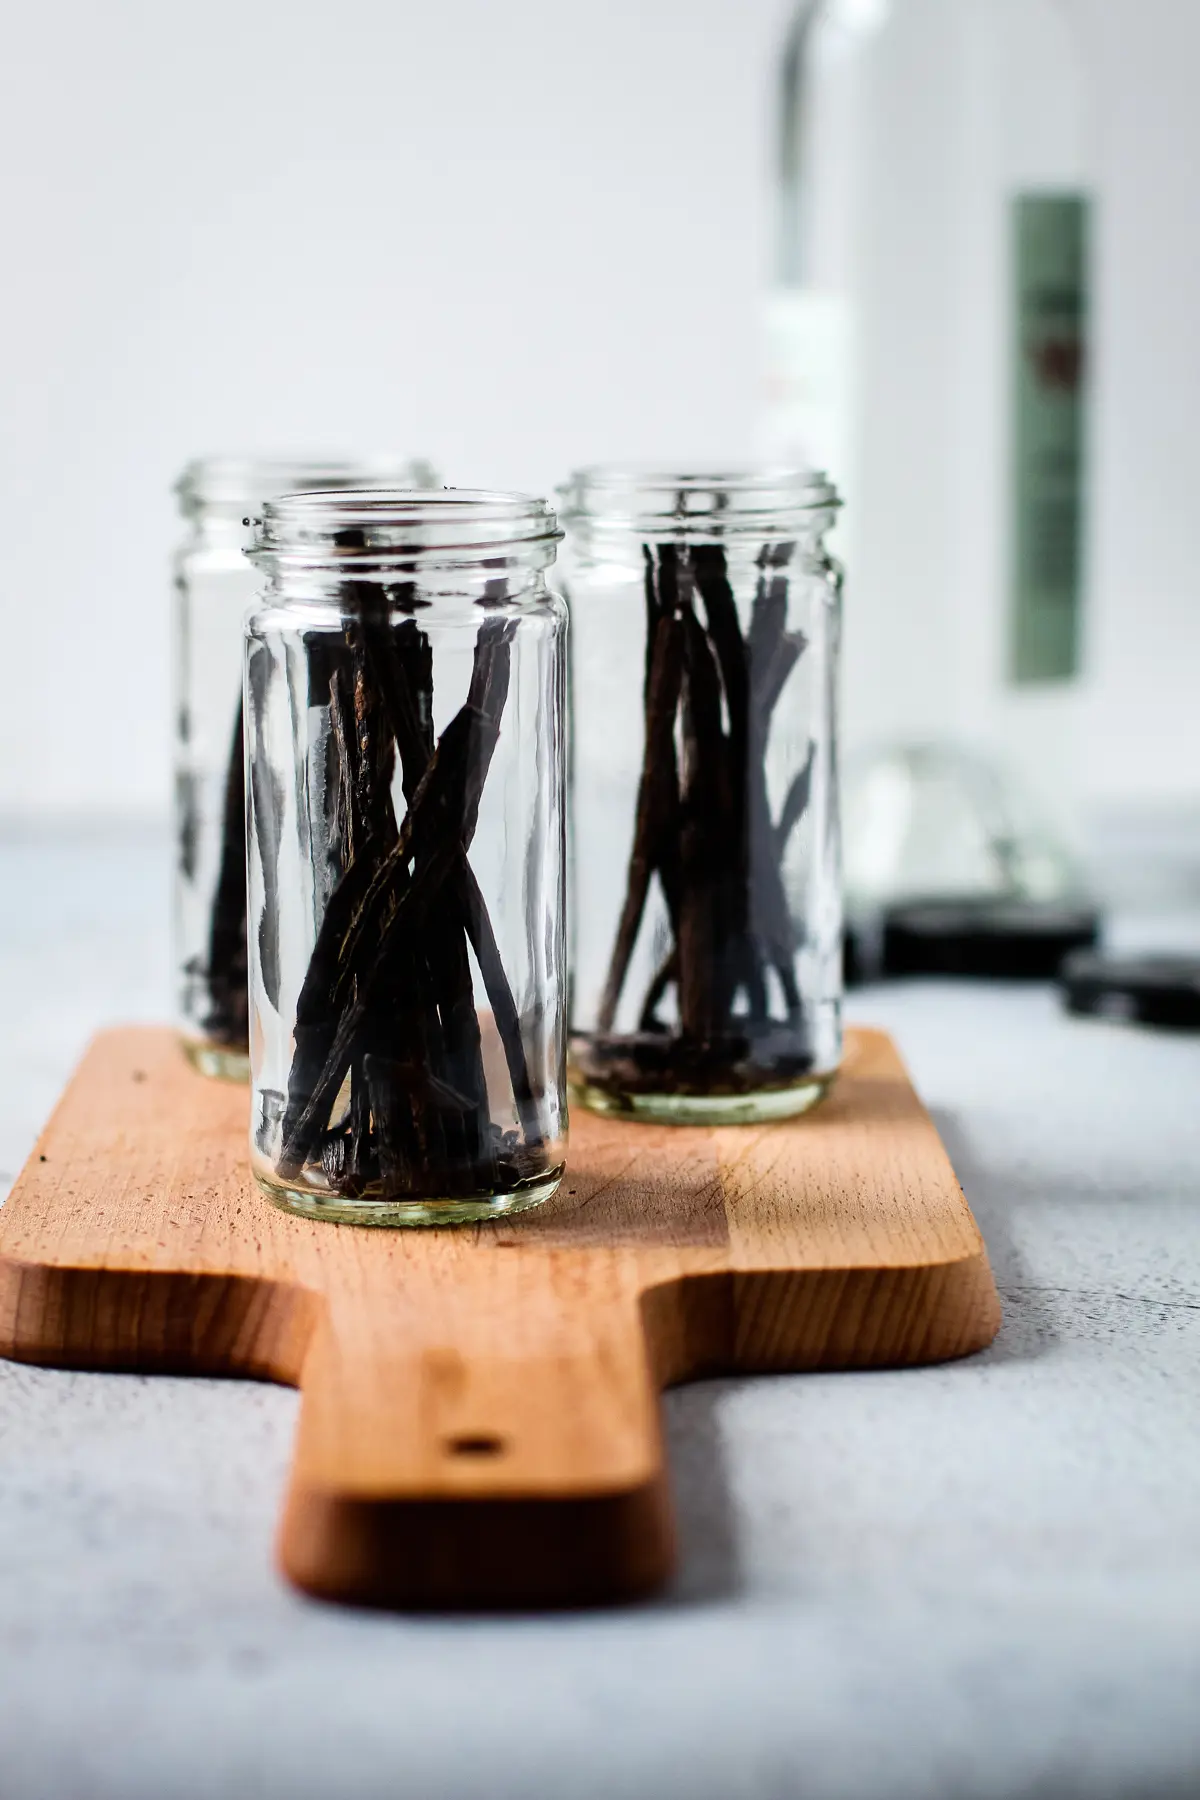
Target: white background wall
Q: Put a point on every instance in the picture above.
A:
(505, 237)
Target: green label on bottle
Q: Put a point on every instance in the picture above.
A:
(1050, 262)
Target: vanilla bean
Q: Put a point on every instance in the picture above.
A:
(365, 911)
(707, 809)
(734, 968)
(228, 1019)
(504, 1011)
(795, 804)
(666, 975)
(266, 795)
(657, 794)
(367, 957)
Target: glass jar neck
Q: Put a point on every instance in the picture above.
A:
(746, 511)
(219, 493)
(411, 546)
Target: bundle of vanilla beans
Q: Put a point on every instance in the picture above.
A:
(387, 1092)
(704, 828)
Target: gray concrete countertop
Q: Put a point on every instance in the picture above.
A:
(978, 1582)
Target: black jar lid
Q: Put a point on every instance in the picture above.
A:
(1009, 940)
(1145, 990)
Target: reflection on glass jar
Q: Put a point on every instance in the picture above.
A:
(404, 693)
(214, 585)
(706, 925)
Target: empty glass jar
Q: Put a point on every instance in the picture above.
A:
(706, 917)
(404, 696)
(214, 585)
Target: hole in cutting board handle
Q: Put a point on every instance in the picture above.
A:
(475, 1444)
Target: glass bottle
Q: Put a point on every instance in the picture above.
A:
(214, 585)
(404, 695)
(706, 918)
(950, 869)
(928, 344)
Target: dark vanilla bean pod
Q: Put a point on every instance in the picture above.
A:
(454, 1042)
(228, 1018)
(440, 1147)
(795, 803)
(773, 650)
(504, 1011)
(737, 962)
(400, 666)
(366, 735)
(657, 797)
(361, 913)
(654, 609)
(707, 812)
(443, 1025)
(267, 804)
(323, 773)
(352, 972)
(666, 977)
(775, 653)
(367, 827)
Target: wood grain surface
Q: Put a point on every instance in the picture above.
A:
(480, 1417)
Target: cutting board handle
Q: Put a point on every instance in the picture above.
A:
(495, 1463)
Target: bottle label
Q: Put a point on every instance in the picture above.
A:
(1050, 259)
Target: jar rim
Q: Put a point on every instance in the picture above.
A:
(358, 528)
(247, 482)
(762, 499)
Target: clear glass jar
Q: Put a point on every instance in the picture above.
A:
(404, 694)
(214, 586)
(706, 917)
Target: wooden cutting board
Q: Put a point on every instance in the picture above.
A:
(480, 1419)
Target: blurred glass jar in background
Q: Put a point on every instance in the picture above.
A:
(404, 695)
(706, 890)
(938, 821)
(214, 585)
(953, 869)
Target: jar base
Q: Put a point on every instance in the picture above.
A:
(337, 1209)
(220, 1062)
(756, 1108)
